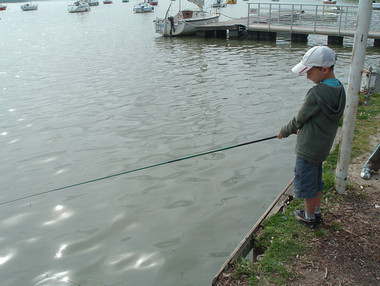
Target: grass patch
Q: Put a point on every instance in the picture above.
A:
(283, 238)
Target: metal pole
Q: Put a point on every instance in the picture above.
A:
(249, 11)
(357, 61)
(270, 16)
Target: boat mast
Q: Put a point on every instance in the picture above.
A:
(167, 12)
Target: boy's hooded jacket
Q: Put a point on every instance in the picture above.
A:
(317, 121)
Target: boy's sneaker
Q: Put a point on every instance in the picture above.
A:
(366, 173)
(300, 215)
(318, 218)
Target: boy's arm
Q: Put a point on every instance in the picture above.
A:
(309, 108)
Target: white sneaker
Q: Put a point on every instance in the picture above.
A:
(366, 173)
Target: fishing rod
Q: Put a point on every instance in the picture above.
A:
(139, 169)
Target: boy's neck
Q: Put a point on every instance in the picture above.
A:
(329, 75)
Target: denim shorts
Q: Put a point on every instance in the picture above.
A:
(307, 179)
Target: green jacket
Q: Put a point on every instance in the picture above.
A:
(318, 120)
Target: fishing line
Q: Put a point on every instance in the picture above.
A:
(138, 169)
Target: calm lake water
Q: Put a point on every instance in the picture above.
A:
(83, 96)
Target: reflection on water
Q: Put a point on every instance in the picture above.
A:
(74, 107)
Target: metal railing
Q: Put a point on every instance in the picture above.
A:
(341, 17)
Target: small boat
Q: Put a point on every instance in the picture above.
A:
(185, 21)
(143, 7)
(29, 6)
(329, 2)
(152, 2)
(125, 1)
(231, 1)
(332, 9)
(107, 2)
(92, 2)
(3, 7)
(79, 7)
(375, 6)
(219, 4)
(325, 16)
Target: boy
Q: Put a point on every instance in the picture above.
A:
(316, 124)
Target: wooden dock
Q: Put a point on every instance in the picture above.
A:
(239, 28)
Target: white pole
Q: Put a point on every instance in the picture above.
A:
(354, 81)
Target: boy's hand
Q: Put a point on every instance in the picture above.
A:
(279, 136)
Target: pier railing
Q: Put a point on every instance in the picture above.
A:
(341, 17)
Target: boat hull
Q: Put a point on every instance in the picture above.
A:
(184, 27)
(78, 10)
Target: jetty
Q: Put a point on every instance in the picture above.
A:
(266, 21)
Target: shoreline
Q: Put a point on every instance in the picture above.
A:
(346, 239)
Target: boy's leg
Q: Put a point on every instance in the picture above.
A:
(307, 184)
(310, 204)
(313, 208)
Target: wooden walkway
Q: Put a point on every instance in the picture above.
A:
(238, 28)
(309, 30)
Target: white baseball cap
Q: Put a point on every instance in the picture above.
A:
(318, 56)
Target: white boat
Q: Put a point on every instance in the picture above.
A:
(332, 9)
(328, 16)
(3, 7)
(185, 21)
(376, 6)
(143, 7)
(92, 2)
(79, 7)
(219, 4)
(29, 6)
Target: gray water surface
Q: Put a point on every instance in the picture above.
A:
(84, 96)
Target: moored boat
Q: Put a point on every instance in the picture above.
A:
(92, 2)
(219, 4)
(29, 6)
(185, 21)
(152, 2)
(143, 7)
(107, 2)
(3, 7)
(79, 7)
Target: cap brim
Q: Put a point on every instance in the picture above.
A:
(300, 69)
